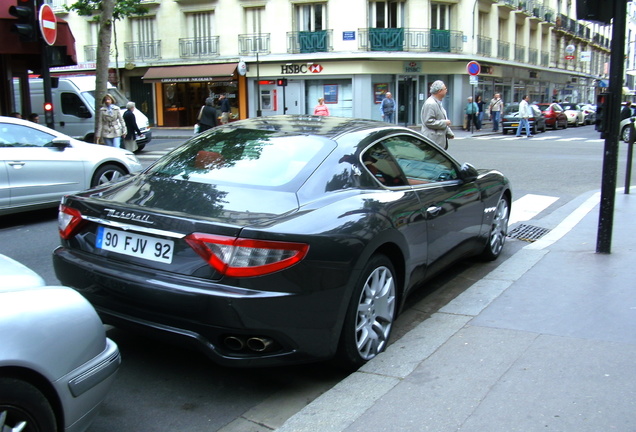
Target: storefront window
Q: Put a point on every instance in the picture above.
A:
(338, 95)
(183, 101)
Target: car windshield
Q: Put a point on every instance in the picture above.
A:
(120, 99)
(569, 107)
(249, 157)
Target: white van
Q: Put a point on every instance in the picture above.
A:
(74, 106)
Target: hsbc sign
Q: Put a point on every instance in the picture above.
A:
(300, 68)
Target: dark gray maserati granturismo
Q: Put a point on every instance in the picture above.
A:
(283, 239)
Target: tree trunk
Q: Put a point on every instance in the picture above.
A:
(103, 54)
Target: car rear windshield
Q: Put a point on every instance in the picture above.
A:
(512, 108)
(244, 157)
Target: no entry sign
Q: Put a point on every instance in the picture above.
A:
(48, 24)
(473, 68)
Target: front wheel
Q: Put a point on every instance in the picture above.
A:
(625, 133)
(498, 231)
(24, 408)
(371, 313)
(107, 173)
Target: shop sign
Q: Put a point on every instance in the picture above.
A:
(288, 69)
(412, 67)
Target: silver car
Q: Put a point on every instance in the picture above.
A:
(56, 363)
(39, 165)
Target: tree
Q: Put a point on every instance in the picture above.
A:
(105, 12)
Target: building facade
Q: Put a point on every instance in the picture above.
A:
(349, 53)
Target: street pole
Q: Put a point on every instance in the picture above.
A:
(610, 159)
(259, 112)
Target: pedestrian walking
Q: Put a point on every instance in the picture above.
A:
(495, 107)
(226, 110)
(207, 115)
(132, 130)
(435, 122)
(525, 112)
(471, 111)
(110, 123)
(480, 116)
(388, 107)
(321, 109)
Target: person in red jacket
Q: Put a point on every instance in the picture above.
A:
(321, 109)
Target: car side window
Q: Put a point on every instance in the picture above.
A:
(71, 104)
(14, 135)
(421, 162)
(382, 166)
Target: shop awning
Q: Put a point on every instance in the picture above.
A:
(208, 72)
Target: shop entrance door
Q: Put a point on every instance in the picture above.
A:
(407, 101)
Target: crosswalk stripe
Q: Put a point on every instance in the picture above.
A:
(528, 206)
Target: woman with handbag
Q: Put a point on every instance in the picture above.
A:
(110, 123)
(207, 115)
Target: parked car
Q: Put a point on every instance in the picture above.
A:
(56, 363)
(589, 111)
(554, 115)
(510, 119)
(625, 128)
(282, 239)
(39, 165)
(575, 115)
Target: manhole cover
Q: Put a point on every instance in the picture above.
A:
(528, 233)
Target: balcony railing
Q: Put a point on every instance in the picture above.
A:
(503, 50)
(309, 42)
(141, 51)
(520, 53)
(533, 56)
(545, 59)
(484, 46)
(250, 44)
(199, 47)
(90, 53)
(411, 40)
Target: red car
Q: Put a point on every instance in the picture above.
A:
(554, 115)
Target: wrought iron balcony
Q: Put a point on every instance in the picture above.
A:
(520, 53)
(484, 46)
(141, 51)
(545, 59)
(309, 41)
(199, 47)
(251, 44)
(533, 56)
(503, 50)
(411, 40)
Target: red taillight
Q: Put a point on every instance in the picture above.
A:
(69, 221)
(239, 257)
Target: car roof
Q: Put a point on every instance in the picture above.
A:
(325, 126)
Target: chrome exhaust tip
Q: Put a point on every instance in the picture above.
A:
(234, 343)
(259, 344)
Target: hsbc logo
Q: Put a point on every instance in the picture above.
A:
(300, 68)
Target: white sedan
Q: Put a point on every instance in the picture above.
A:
(576, 116)
(39, 165)
(56, 363)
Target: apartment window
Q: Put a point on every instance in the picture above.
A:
(311, 17)
(386, 14)
(143, 29)
(200, 25)
(440, 16)
(253, 20)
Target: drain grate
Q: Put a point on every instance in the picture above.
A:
(528, 233)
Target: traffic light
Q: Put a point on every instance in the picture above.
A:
(27, 24)
(48, 113)
(281, 82)
(602, 120)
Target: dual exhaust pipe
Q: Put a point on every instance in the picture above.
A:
(254, 343)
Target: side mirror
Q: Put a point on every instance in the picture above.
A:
(468, 173)
(83, 112)
(60, 143)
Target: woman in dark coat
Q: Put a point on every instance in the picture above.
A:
(207, 115)
(132, 130)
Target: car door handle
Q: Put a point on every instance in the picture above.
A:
(16, 164)
(433, 211)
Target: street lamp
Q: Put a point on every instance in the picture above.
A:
(259, 112)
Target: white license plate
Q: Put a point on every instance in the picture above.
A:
(136, 245)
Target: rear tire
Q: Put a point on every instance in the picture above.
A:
(370, 315)
(24, 407)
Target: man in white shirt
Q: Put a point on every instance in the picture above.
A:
(525, 112)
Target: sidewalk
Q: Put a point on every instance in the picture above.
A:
(545, 342)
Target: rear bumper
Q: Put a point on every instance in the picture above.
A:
(303, 326)
(147, 137)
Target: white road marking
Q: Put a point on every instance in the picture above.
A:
(528, 206)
